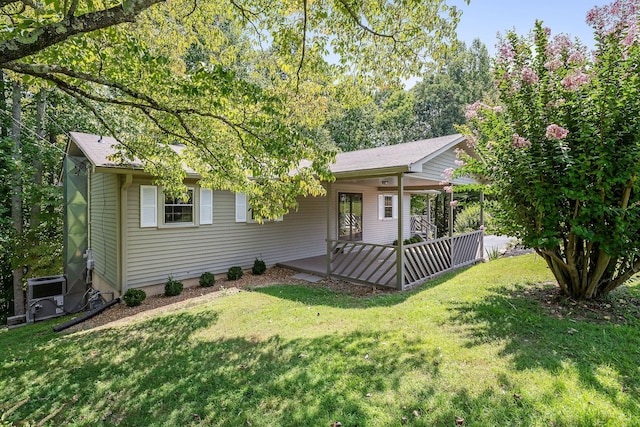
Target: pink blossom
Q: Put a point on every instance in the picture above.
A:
(453, 203)
(448, 189)
(497, 109)
(560, 43)
(471, 111)
(505, 50)
(459, 163)
(459, 152)
(482, 228)
(553, 64)
(631, 36)
(556, 132)
(575, 58)
(618, 15)
(447, 173)
(573, 81)
(520, 142)
(529, 76)
(443, 183)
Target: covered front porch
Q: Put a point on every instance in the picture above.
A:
(375, 264)
(369, 219)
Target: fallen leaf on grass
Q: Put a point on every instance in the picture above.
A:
(459, 421)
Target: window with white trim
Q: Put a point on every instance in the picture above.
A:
(175, 211)
(387, 206)
(179, 210)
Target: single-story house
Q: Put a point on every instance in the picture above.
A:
(121, 232)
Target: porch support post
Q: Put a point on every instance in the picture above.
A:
(429, 236)
(482, 224)
(329, 210)
(400, 246)
(451, 209)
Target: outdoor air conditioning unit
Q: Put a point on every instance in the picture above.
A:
(45, 297)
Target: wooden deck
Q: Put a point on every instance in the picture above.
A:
(377, 264)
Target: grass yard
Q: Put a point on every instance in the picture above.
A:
(477, 348)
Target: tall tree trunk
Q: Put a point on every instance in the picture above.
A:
(4, 122)
(16, 197)
(41, 101)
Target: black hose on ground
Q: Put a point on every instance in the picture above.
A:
(89, 315)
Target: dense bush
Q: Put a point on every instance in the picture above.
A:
(234, 273)
(173, 287)
(468, 219)
(259, 267)
(134, 297)
(207, 279)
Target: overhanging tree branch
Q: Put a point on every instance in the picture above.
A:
(361, 24)
(56, 32)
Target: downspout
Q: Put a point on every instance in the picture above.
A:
(128, 180)
(329, 245)
(88, 255)
(400, 246)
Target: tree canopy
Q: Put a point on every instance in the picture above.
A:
(562, 148)
(244, 85)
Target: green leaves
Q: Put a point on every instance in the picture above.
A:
(563, 155)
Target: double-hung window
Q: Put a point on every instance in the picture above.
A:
(195, 208)
(179, 210)
(387, 206)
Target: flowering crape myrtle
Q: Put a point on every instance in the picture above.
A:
(561, 151)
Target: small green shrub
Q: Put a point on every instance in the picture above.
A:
(173, 287)
(414, 239)
(207, 279)
(234, 273)
(134, 297)
(259, 267)
(493, 253)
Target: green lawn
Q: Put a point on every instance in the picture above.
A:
(474, 345)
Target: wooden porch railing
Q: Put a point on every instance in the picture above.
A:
(376, 264)
(363, 262)
(427, 259)
(421, 226)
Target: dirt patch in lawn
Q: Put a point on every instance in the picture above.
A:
(192, 296)
(620, 307)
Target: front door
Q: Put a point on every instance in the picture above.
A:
(350, 216)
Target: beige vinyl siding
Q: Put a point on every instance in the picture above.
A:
(374, 230)
(187, 251)
(104, 230)
(434, 168)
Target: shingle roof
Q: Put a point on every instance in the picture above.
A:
(393, 156)
(98, 149)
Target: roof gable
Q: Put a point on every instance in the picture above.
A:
(407, 157)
